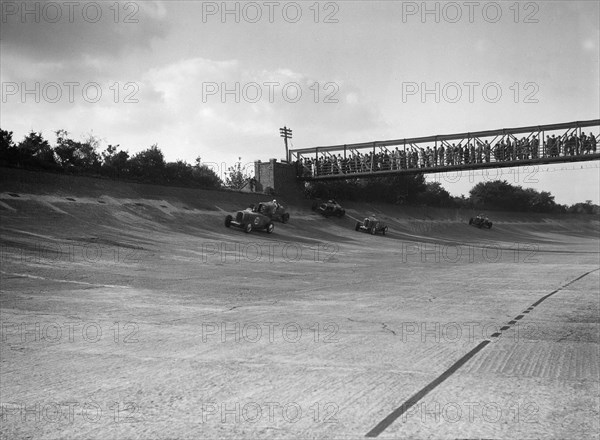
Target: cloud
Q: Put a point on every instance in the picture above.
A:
(589, 45)
(217, 109)
(63, 31)
(223, 102)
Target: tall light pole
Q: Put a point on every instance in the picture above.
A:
(286, 133)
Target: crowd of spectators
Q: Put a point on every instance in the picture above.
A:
(507, 149)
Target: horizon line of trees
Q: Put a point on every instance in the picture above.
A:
(149, 166)
(498, 195)
(83, 157)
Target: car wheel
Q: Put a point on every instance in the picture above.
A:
(228, 221)
(248, 228)
(490, 225)
(385, 230)
(373, 230)
(285, 218)
(270, 228)
(357, 227)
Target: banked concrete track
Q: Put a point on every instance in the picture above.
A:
(130, 311)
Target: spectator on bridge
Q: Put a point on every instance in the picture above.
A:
(487, 151)
(479, 152)
(571, 145)
(512, 151)
(561, 144)
(556, 147)
(535, 145)
(429, 157)
(519, 148)
(592, 142)
(395, 158)
(507, 148)
(579, 142)
(466, 154)
(363, 163)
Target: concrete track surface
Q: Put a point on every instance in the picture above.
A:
(130, 312)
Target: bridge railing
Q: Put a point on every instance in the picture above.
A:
(486, 149)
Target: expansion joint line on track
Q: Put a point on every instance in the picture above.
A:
(37, 277)
(391, 418)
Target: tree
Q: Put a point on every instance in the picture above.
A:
(114, 162)
(148, 165)
(8, 149)
(179, 171)
(400, 188)
(205, 176)
(34, 150)
(542, 202)
(584, 208)
(79, 156)
(435, 195)
(501, 195)
(88, 153)
(404, 188)
(6, 140)
(236, 176)
(65, 149)
(494, 195)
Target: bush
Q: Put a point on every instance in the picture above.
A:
(81, 157)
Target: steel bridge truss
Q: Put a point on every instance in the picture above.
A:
(502, 148)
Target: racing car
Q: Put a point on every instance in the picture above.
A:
(329, 208)
(371, 225)
(481, 221)
(249, 220)
(273, 210)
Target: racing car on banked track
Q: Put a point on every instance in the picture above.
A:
(329, 208)
(481, 221)
(371, 225)
(273, 210)
(249, 220)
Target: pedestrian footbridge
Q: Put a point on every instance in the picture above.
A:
(501, 148)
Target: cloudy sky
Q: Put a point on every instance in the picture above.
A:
(218, 80)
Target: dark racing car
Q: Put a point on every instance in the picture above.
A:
(249, 220)
(481, 221)
(273, 210)
(371, 225)
(329, 208)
